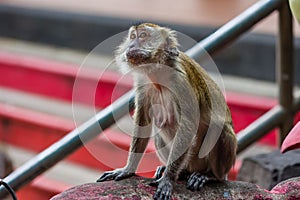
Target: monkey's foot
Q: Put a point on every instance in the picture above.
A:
(164, 189)
(159, 172)
(197, 180)
(116, 175)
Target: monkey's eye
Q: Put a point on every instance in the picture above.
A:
(143, 35)
(132, 36)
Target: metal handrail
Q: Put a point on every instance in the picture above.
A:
(234, 28)
(213, 43)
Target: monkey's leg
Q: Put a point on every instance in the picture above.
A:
(183, 175)
(162, 153)
(222, 156)
(183, 131)
(221, 159)
(159, 172)
(175, 161)
(164, 187)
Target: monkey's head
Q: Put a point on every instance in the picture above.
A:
(147, 44)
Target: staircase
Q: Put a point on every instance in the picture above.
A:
(36, 110)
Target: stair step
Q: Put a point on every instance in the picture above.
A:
(19, 124)
(43, 104)
(57, 80)
(57, 179)
(64, 172)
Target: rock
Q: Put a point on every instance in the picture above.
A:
(267, 170)
(137, 188)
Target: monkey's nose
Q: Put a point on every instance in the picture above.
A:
(131, 46)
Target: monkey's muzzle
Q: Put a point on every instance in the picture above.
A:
(138, 56)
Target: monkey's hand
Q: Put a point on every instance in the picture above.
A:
(117, 174)
(164, 189)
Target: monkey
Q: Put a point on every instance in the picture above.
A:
(180, 106)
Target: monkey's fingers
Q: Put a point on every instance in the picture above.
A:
(107, 176)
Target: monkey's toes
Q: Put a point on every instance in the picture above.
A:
(115, 175)
(124, 175)
(196, 181)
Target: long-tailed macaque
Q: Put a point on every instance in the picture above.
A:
(181, 107)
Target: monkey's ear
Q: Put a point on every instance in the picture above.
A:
(171, 47)
(171, 44)
(172, 51)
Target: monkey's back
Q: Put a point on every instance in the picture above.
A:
(213, 111)
(210, 97)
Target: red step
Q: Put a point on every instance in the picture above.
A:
(41, 188)
(57, 80)
(19, 124)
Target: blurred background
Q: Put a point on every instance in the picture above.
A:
(43, 44)
(81, 25)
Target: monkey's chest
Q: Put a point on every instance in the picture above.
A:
(162, 110)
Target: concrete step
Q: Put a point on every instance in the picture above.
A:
(65, 172)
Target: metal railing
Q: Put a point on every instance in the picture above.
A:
(280, 116)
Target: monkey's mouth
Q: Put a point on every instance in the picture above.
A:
(138, 56)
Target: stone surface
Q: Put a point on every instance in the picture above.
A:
(266, 170)
(137, 188)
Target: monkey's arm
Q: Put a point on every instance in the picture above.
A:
(185, 133)
(142, 132)
(175, 161)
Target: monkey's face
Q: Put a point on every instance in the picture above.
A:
(136, 52)
(145, 46)
(143, 40)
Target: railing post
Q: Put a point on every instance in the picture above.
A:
(285, 67)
